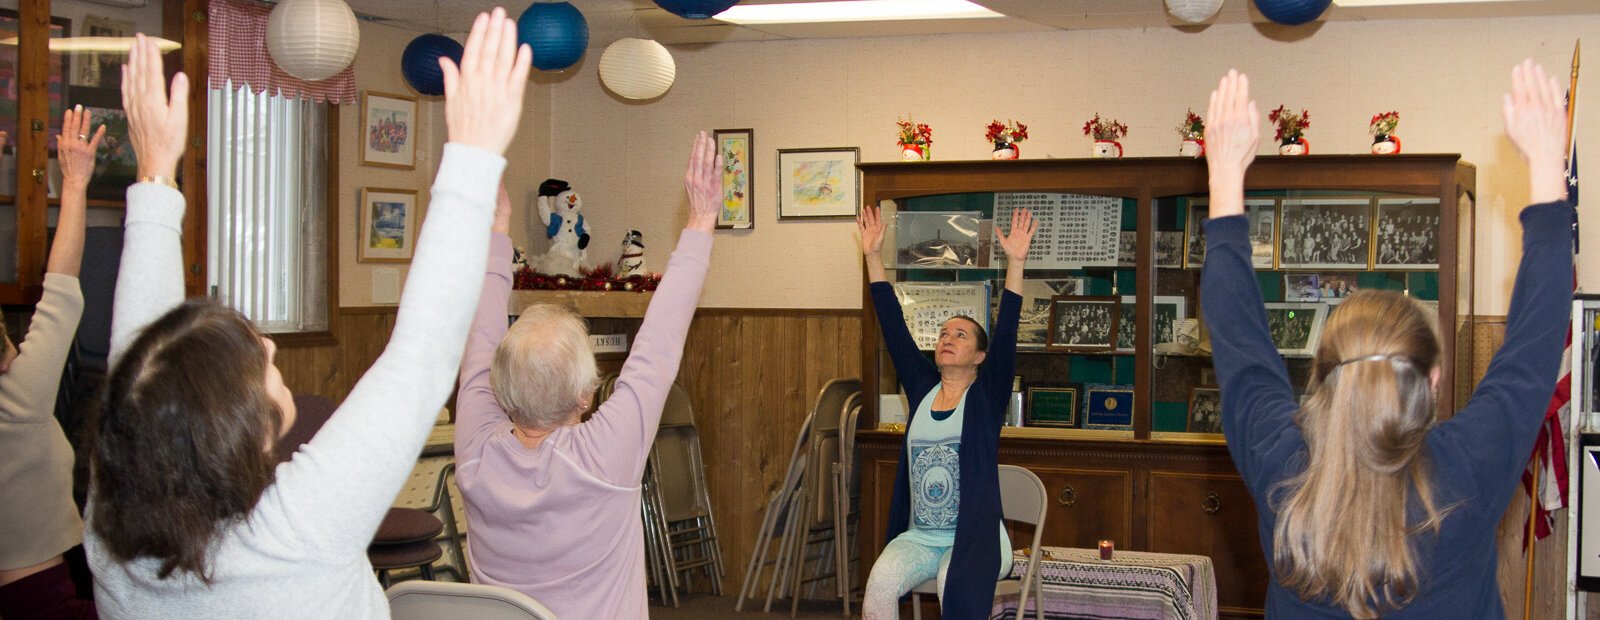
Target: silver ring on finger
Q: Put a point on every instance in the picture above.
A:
(84, 137)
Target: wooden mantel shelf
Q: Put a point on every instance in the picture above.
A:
(591, 304)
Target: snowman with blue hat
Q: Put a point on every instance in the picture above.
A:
(561, 211)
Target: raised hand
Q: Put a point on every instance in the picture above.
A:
(1023, 226)
(502, 212)
(158, 124)
(1233, 133)
(870, 226)
(483, 97)
(75, 149)
(1535, 113)
(703, 181)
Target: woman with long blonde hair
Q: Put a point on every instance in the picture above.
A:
(1368, 505)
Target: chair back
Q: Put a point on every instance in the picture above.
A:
(680, 473)
(1022, 495)
(430, 600)
(831, 402)
(847, 445)
(102, 256)
(679, 411)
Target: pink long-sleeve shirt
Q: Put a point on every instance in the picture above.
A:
(561, 522)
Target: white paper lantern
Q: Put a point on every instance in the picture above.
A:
(637, 69)
(313, 39)
(1193, 11)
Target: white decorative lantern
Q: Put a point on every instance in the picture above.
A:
(637, 69)
(313, 39)
(1193, 11)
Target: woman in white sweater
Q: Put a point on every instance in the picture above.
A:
(189, 516)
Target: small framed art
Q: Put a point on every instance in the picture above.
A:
(1108, 407)
(1052, 407)
(387, 232)
(1296, 326)
(818, 183)
(388, 130)
(738, 202)
(1205, 410)
(1082, 324)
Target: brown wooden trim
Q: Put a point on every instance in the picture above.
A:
(792, 312)
(354, 310)
(294, 340)
(331, 247)
(33, 107)
(185, 21)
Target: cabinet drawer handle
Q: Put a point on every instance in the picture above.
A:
(1211, 504)
(1068, 496)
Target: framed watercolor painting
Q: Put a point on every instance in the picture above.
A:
(738, 203)
(388, 130)
(818, 183)
(387, 232)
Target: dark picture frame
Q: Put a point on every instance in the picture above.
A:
(1108, 407)
(1409, 240)
(1205, 411)
(737, 148)
(1325, 233)
(1052, 407)
(1083, 323)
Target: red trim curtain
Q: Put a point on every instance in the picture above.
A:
(237, 53)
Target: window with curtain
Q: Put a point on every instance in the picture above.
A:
(267, 158)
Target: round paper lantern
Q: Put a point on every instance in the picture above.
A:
(420, 62)
(1193, 11)
(312, 39)
(1292, 12)
(556, 31)
(695, 9)
(637, 69)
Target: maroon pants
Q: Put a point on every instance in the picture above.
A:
(47, 594)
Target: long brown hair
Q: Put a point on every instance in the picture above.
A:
(180, 445)
(1342, 532)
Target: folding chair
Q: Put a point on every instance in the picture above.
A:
(774, 520)
(1022, 499)
(683, 496)
(818, 493)
(431, 600)
(847, 502)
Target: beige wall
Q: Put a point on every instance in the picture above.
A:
(1444, 76)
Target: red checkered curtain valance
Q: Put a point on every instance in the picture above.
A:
(237, 36)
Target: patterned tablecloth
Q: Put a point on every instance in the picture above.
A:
(1078, 584)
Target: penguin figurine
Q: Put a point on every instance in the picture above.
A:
(632, 261)
(560, 210)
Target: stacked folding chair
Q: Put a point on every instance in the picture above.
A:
(773, 523)
(847, 503)
(680, 529)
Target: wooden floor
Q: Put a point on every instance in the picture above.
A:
(709, 607)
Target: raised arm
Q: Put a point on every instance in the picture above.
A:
(478, 413)
(1001, 362)
(347, 476)
(1016, 245)
(75, 150)
(150, 278)
(621, 431)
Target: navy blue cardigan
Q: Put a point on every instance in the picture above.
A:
(975, 559)
(1476, 457)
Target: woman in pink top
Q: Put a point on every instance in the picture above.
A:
(552, 502)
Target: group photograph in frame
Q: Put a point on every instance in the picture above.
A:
(1052, 407)
(1033, 324)
(1169, 248)
(1325, 233)
(1169, 310)
(927, 305)
(941, 240)
(1260, 213)
(1205, 411)
(387, 231)
(1295, 326)
(738, 201)
(818, 183)
(1082, 323)
(1406, 235)
(388, 130)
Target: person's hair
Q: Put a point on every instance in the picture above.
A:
(543, 369)
(983, 336)
(1342, 532)
(181, 442)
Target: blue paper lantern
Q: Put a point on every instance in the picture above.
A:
(420, 62)
(556, 31)
(695, 9)
(1292, 12)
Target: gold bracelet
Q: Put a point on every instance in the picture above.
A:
(156, 178)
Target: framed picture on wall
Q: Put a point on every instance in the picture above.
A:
(387, 232)
(1407, 234)
(818, 183)
(1325, 233)
(388, 130)
(738, 202)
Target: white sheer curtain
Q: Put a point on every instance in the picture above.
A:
(267, 212)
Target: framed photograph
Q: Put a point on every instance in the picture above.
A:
(941, 240)
(1205, 411)
(1169, 248)
(738, 202)
(1169, 309)
(1033, 325)
(1262, 215)
(1127, 248)
(1108, 407)
(1301, 287)
(1406, 235)
(1333, 288)
(387, 232)
(1326, 233)
(1082, 324)
(388, 130)
(1053, 407)
(101, 70)
(1296, 326)
(927, 305)
(816, 183)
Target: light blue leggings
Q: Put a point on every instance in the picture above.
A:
(903, 565)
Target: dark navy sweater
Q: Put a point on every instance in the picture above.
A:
(975, 558)
(1476, 457)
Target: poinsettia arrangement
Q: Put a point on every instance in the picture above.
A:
(1193, 127)
(912, 132)
(1291, 126)
(1383, 124)
(1110, 130)
(1006, 134)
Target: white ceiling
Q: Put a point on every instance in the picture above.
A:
(611, 19)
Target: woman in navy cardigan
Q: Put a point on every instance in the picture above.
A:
(946, 507)
(1367, 505)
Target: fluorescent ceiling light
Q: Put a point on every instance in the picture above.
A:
(852, 11)
(68, 45)
(1357, 3)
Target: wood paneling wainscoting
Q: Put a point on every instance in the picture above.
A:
(331, 370)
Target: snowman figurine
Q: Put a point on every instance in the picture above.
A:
(560, 209)
(632, 261)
